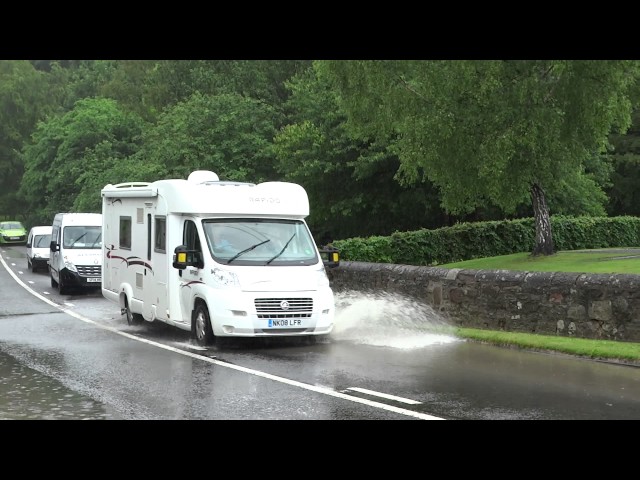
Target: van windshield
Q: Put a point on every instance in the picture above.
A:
(41, 241)
(82, 237)
(260, 242)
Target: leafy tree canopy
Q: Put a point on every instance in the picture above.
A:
(349, 181)
(228, 134)
(74, 155)
(485, 131)
(24, 100)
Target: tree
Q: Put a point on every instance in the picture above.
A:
(349, 181)
(74, 155)
(624, 196)
(491, 131)
(80, 79)
(176, 80)
(228, 134)
(24, 100)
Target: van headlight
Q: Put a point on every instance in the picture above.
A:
(70, 266)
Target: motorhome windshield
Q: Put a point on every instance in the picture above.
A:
(260, 242)
(82, 237)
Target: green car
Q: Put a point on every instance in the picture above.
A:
(12, 232)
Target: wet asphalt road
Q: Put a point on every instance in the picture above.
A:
(74, 357)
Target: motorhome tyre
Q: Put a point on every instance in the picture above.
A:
(201, 325)
(132, 318)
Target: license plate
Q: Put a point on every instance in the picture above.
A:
(285, 323)
(14, 238)
(94, 280)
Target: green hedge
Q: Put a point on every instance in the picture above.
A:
(466, 241)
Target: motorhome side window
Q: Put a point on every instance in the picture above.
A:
(160, 239)
(125, 232)
(191, 239)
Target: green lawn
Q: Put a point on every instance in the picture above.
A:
(610, 260)
(583, 261)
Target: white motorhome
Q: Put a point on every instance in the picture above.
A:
(75, 258)
(216, 258)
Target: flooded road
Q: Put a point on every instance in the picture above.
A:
(75, 357)
(26, 394)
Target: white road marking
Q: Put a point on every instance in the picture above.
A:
(384, 395)
(314, 388)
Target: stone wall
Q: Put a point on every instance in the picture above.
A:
(597, 306)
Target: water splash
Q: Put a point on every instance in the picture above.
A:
(389, 320)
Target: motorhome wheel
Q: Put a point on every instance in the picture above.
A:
(202, 326)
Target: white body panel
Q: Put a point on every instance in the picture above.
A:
(255, 293)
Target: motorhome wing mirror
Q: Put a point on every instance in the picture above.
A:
(183, 257)
(180, 257)
(54, 246)
(330, 257)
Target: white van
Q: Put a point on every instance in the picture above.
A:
(217, 258)
(38, 247)
(76, 251)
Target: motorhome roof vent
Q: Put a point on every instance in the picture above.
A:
(202, 176)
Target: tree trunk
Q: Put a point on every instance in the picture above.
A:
(544, 238)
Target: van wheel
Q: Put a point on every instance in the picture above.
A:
(201, 326)
(132, 318)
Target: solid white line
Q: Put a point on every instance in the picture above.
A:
(314, 388)
(384, 395)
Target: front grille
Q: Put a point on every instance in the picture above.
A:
(89, 270)
(284, 307)
(284, 315)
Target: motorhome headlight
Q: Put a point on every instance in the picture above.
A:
(224, 278)
(323, 279)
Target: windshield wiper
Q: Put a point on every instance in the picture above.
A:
(242, 252)
(283, 249)
(79, 238)
(93, 245)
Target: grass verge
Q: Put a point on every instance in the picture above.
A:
(606, 350)
(612, 260)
